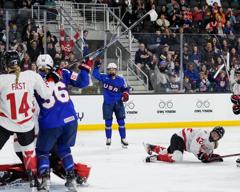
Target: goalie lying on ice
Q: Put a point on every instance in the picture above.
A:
(200, 142)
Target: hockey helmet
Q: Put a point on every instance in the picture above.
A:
(112, 66)
(11, 58)
(44, 61)
(219, 130)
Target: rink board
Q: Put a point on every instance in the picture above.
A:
(161, 111)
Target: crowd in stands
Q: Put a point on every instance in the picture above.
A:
(210, 38)
(27, 37)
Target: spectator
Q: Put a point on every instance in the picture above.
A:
(203, 84)
(155, 41)
(85, 43)
(187, 86)
(173, 85)
(142, 57)
(222, 83)
(26, 62)
(34, 67)
(51, 49)
(192, 74)
(162, 22)
(67, 43)
(21, 51)
(196, 57)
(197, 19)
(34, 51)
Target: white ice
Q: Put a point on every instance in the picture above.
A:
(123, 170)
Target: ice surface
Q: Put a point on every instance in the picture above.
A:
(123, 170)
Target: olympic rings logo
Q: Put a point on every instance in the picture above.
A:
(203, 104)
(165, 104)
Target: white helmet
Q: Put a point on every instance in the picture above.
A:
(112, 66)
(44, 61)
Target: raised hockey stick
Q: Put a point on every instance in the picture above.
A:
(153, 16)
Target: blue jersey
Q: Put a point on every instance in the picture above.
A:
(59, 110)
(112, 87)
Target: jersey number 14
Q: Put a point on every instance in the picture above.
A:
(24, 106)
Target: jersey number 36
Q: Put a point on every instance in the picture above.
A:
(60, 94)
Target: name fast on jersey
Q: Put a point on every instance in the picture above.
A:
(18, 86)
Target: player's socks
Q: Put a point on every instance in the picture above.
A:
(71, 181)
(122, 131)
(108, 131)
(158, 149)
(165, 158)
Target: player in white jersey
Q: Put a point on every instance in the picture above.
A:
(16, 107)
(200, 142)
(235, 98)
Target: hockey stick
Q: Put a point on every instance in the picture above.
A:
(225, 156)
(153, 16)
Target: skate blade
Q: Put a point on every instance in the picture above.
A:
(33, 189)
(124, 146)
(71, 189)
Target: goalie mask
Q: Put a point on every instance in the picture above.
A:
(112, 69)
(216, 134)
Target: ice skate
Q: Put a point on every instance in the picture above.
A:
(81, 181)
(148, 148)
(238, 162)
(71, 184)
(150, 159)
(33, 181)
(108, 142)
(124, 143)
(45, 184)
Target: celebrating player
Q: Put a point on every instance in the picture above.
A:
(58, 122)
(200, 142)
(115, 93)
(16, 108)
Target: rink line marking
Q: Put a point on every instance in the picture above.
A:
(95, 127)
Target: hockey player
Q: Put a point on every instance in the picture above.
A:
(200, 142)
(115, 92)
(235, 98)
(16, 108)
(58, 123)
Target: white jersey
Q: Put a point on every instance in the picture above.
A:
(16, 100)
(196, 141)
(236, 89)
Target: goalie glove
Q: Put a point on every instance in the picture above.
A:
(125, 96)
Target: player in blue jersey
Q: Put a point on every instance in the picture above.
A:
(58, 122)
(115, 92)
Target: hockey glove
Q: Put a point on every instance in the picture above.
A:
(205, 158)
(235, 99)
(236, 109)
(125, 96)
(97, 62)
(53, 76)
(86, 65)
